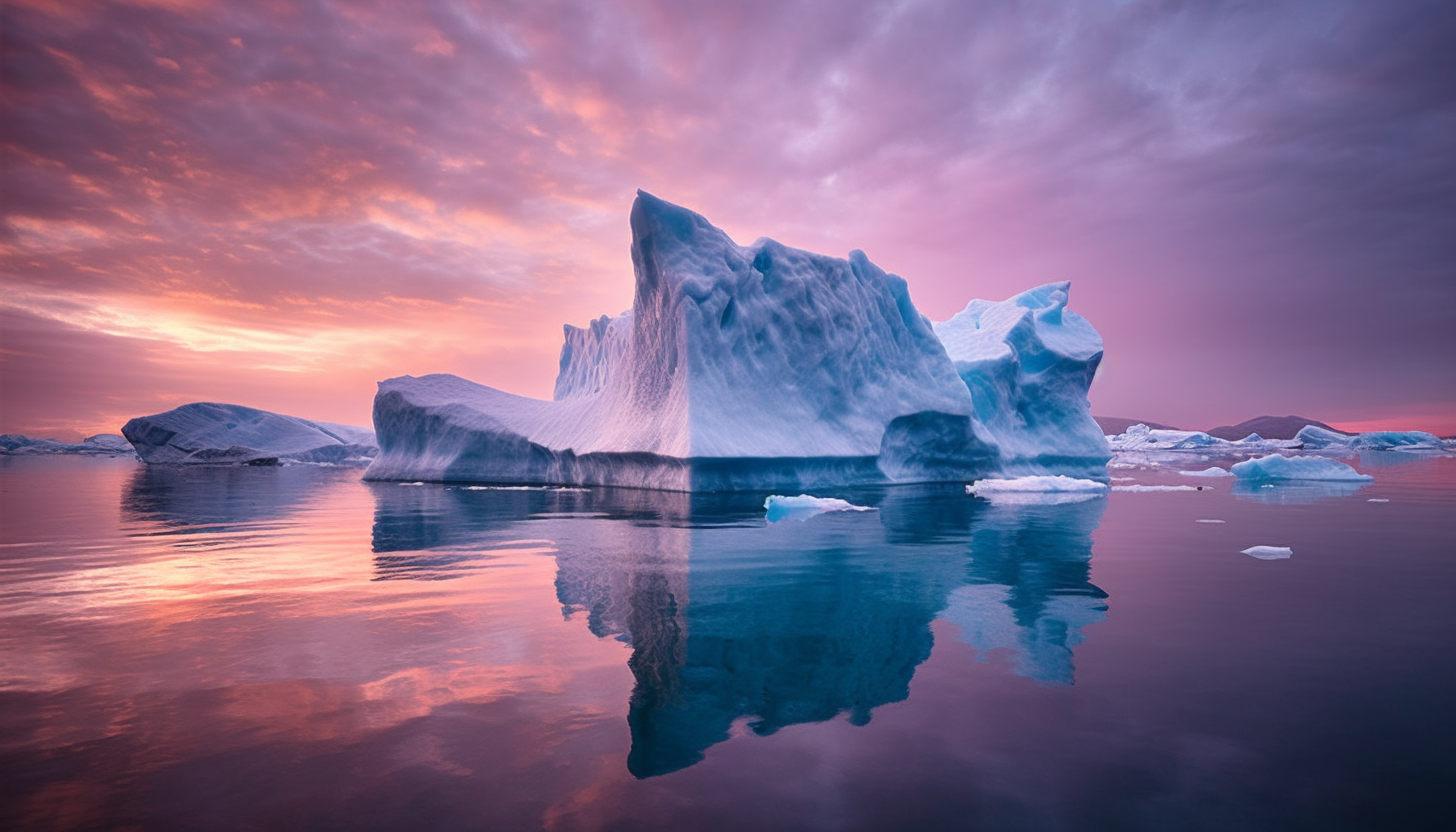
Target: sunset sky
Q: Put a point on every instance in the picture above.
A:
(278, 204)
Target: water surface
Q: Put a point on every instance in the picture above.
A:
(292, 648)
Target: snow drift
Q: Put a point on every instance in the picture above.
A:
(208, 432)
(757, 367)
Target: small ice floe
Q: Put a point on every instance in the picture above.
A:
(804, 506)
(411, 483)
(1215, 471)
(518, 488)
(1041, 490)
(1268, 552)
(1161, 488)
(1377, 500)
(1124, 479)
(1210, 521)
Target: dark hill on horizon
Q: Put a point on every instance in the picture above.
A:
(1113, 425)
(1269, 427)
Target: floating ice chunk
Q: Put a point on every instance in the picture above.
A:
(1276, 468)
(1268, 552)
(1160, 487)
(1377, 500)
(804, 506)
(1208, 472)
(1038, 489)
(1210, 521)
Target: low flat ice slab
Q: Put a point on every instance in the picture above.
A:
(804, 506)
(1268, 552)
(1276, 468)
(1215, 471)
(1044, 490)
(1152, 488)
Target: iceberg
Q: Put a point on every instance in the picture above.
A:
(1033, 490)
(804, 506)
(209, 432)
(757, 367)
(1268, 552)
(102, 444)
(1314, 438)
(1274, 468)
(1029, 362)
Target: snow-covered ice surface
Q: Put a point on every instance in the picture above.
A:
(802, 507)
(757, 367)
(1040, 489)
(102, 444)
(208, 432)
(1268, 552)
(1275, 468)
(1029, 362)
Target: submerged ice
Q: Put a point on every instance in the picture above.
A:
(766, 367)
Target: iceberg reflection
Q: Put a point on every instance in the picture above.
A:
(732, 620)
(1294, 492)
(1029, 587)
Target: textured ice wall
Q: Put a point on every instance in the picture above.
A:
(764, 366)
(1029, 362)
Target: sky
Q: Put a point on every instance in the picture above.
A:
(279, 204)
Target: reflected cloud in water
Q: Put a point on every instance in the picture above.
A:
(735, 621)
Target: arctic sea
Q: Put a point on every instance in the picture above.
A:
(292, 648)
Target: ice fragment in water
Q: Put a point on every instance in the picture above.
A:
(1269, 552)
(804, 506)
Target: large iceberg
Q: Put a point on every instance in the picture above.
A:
(208, 432)
(758, 367)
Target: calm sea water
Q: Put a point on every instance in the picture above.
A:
(292, 648)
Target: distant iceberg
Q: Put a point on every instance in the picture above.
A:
(208, 432)
(1274, 468)
(765, 367)
(1314, 438)
(1268, 552)
(102, 444)
(1143, 438)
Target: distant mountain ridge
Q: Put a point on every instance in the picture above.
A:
(1269, 427)
(1113, 425)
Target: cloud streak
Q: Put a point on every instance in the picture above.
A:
(1255, 202)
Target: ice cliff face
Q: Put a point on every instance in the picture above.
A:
(207, 432)
(1028, 363)
(761, 366)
